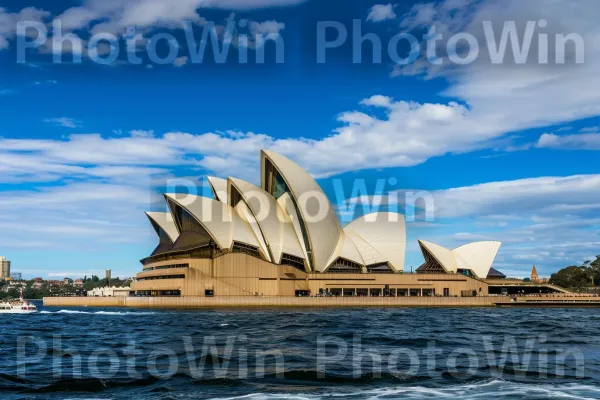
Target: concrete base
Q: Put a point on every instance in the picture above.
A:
(255, 301)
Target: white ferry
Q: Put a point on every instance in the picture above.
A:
(20, 306)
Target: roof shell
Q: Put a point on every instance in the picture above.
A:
(477, 256)
(214, 216)
(347, 249)
(443, 255)
(165, 221)
(322, 224)
(244, 212)
(287, 205)
(219, 188)
(386, 233)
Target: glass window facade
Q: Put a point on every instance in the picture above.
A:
(343, 266)
(292, 261)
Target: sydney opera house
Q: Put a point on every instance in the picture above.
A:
(285, 239)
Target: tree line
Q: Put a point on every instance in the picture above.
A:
(578, 276)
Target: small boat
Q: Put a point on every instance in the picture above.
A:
(20, 306)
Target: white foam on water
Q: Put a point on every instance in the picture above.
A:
(475, 391)
(97, 312)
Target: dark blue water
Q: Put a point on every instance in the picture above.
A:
(414, 353)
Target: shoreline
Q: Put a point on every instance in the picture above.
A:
(318, 302)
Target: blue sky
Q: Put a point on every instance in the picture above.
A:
(508, 152)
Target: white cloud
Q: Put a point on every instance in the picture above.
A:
(381, 12)
(573, 196)
(64, 122)
(552, 221)
(507, 98)
(582, 141)
(8, 22)
(378, 101)
(118, 14)
(266, 27)
(181, 61)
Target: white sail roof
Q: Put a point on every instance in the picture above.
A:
(275, 226)
(386, 233)
(166, 223)
(347, 249)
(219, 188)
(245, 213)
(322, 224)
(443, 255)
(243, 232)
(478, 257)
(213, 215)
(286, 204)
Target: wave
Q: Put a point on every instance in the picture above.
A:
(472, 391)
(97, 312)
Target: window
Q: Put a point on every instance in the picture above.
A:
(158, 293)
(153, 278)
(246, 249)
(380, 268)
(292, 261)
(208, 250)
(236, 197)
(466, 272)
(341, 266)
(431, 265)
(167, 267)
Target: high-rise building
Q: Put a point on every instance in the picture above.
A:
(5, 268)
(108, 274)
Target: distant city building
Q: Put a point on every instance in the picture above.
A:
(16, 276)
(78, 283)
(67, 281)
(108, 275)
(109, 292)
(5, 268)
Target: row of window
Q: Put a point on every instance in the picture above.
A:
(343, 266)
(292, 261)
(157, 293)
(167, 267)
(379, 292)
(153, 278)
(246, 249)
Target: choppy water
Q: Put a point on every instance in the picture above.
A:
(413, 353)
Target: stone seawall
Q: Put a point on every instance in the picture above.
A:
(254, 301)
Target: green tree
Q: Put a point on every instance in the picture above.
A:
(572, 277)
